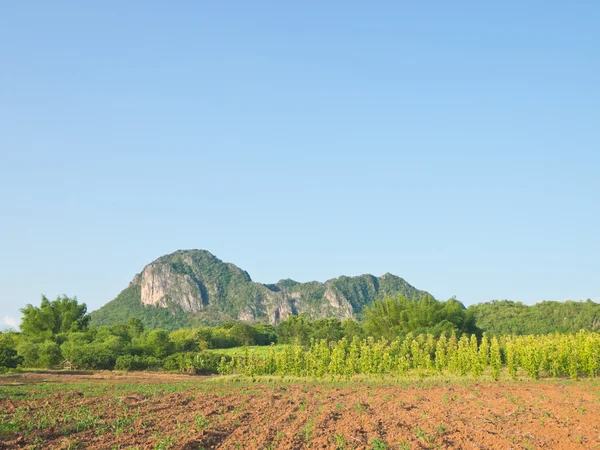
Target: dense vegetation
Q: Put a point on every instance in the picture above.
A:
(58, 331)
(556, 355)
(395, 317)
(9, 358)
(398, 332)
(506, 317)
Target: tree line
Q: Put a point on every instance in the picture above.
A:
(503, 317)
(59, 331)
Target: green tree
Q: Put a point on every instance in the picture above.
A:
(352, 328)
(52, 318)
(44, 328)
(392, 317)
(157, 343)
(9, 358)
(242, 333)
(515, 318)
(265, 334)
(95, 349)
(328, 329)
(184, 340)
(294, 329)
(136, 327)
(49, 354)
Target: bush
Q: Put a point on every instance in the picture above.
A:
(93, 351)
(243, 334)
(9, 359)
(152, 363)
(43, 355)
(265, 335)
(199, 363)
(221, 338)
(157, 343)
(177, 362)
(95, 356)
(130, 362)
(135, 362)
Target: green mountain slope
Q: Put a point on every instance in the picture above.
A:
(194, 287)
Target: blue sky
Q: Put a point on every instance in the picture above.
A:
(457, 146)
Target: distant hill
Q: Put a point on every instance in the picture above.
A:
(194, 287)
(501, 317)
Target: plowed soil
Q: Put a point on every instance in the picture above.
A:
(104, 411)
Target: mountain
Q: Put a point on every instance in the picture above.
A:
(194, 287)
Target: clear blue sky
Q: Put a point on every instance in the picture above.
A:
(456, 145)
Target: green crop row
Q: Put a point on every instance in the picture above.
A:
(557, 355)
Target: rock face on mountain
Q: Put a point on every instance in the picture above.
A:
(196, 284)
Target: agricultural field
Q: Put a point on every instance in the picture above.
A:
(117, 410)
(259, 350)
(385, 383)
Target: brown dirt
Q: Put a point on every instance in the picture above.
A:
(271, 414)
(108, 376)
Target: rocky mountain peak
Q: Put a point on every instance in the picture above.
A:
(195, 283)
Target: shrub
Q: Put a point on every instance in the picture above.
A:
(199, 363)
(9, 358)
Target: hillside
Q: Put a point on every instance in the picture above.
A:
(194, 287)
(502, 317)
